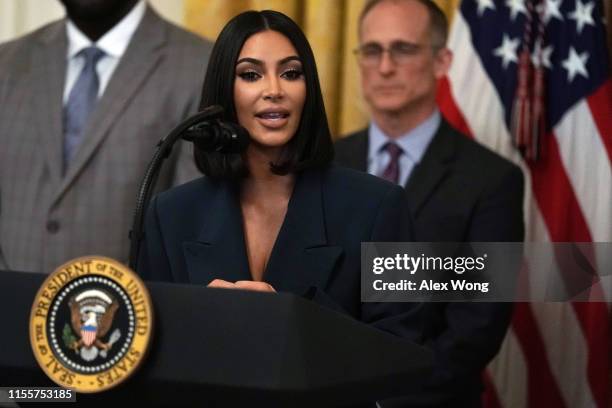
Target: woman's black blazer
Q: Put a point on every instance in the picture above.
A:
(194, 234)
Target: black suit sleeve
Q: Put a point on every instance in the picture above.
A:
(405, 319)
(499, 214)
(474, 331)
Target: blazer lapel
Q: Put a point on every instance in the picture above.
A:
(219, 251)
(49, 66)
(139, 60)
(432, 169)
(301, 257)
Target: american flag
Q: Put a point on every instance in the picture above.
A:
(555, 354)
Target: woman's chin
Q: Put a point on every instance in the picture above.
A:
(270, 150)
(270, 139)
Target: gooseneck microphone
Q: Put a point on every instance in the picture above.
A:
(209, 133)
(218, 136)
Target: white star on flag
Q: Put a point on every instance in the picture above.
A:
(583, 15)
(507, 50)
(483, 5)
(541, 56)
(575, 64)
(551, 10)
(516, 7)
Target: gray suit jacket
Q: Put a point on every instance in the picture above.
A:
(47, 218)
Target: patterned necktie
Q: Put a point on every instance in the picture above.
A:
(391, 173)
(81, 102)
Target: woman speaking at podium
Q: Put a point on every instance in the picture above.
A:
(279, 217)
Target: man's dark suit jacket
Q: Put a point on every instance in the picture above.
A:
(460, 191)
(194, 234)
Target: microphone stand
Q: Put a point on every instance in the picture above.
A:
(164, 148)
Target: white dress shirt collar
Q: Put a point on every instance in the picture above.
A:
(115, 41)
(414, 143)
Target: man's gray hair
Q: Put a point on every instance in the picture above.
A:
(438, 23)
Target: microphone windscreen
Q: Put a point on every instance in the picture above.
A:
(235, 138)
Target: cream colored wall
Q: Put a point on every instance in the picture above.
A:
(18, 17)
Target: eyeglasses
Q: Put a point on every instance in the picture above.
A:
(400, 52)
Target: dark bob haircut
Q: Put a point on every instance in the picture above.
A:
(311, 146)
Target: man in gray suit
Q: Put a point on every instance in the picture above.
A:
(84, 102)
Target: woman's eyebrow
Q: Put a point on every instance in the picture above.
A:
(255, 61)
(288, 59)
(249, 60)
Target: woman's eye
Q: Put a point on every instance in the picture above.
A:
(249, 76)
(292, 74)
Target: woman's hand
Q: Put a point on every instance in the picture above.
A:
(256, 286)
(244, 285)
(220, 283)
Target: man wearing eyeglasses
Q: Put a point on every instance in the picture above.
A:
(459, 191)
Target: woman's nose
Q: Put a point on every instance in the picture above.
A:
(273, 90)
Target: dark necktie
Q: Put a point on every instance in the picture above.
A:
(81, 102)
(391, 173)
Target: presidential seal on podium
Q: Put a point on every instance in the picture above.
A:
(91, 324)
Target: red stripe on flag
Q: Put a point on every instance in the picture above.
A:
(449, 109)
(565, 222)
(594, 317)
(555, 196)
(594, 320)
(600, 103)
(542, 389)
(490, 399)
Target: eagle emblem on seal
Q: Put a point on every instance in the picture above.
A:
(91, 317)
